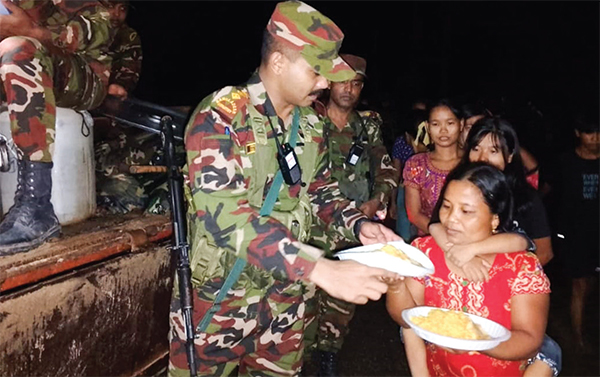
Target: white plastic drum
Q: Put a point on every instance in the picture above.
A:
(73, 179)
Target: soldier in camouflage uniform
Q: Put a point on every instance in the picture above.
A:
(53, 53)
(119, 146)
(126, 51)
(231, 162)
(367, 178)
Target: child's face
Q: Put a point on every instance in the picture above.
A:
(489, 151)
(443, 126)
(469, 122)
(589, 140)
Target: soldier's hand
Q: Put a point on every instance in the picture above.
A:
(370, 207)
(393, 212)
(351, 281)
(372, 232)
(17, 22)
(117, 91)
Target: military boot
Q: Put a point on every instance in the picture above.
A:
(327, 364)
(31, 220)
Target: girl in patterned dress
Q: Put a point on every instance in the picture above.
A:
(424, 173)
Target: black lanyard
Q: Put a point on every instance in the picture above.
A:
(286, 157)
(356, 150)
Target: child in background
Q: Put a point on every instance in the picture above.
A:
(576, 219)
(424, 173)
(472, 112)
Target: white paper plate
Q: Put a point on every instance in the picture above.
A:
(496, 331)
(371, 255)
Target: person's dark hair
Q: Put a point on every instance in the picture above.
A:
(270, 45)
(474, 109)
(493, 185)
(124, 2)
(444, 102)
(414, 118)
(584, 121)
(505, 139)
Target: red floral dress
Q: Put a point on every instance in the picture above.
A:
(511, 274)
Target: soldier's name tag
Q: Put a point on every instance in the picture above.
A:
(354, 154)
(288, 164)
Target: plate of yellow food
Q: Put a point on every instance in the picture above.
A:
(396, 256)
(455, 329)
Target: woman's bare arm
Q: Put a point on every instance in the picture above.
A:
(529, 316)
(412, 201)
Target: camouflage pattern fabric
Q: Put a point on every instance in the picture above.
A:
(159, 202)
(126, 51)
(36, 80)
(372, 177)
(317, 38)
(118, 191)
(120, 194)
(124, 146)
(327, 323)
(231, 165)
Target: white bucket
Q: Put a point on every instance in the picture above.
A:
(73, 179)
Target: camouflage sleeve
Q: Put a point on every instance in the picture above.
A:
(87, 27)
(220, 197)
(385, 175)
(127, 59)
(336, 212)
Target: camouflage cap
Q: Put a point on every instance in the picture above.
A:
(358, 64)
(318, 39)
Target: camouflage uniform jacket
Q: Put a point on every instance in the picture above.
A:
(224, 138)
(126, 51)
(77, 27)
(373, 176)
(354, 181)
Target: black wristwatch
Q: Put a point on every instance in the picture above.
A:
(358, 224)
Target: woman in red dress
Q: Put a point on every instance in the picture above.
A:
(477, 203)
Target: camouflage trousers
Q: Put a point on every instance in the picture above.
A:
(256, 329)
(327, 323)
(327, 318)
(34, 82)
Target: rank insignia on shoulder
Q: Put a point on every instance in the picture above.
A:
(250, 148)
(227, 105)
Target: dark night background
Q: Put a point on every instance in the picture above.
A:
(533, 62)
(507, 53)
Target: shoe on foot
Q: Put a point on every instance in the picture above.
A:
(327, 364)
(31, 220)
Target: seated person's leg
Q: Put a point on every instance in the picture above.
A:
(27, 71)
